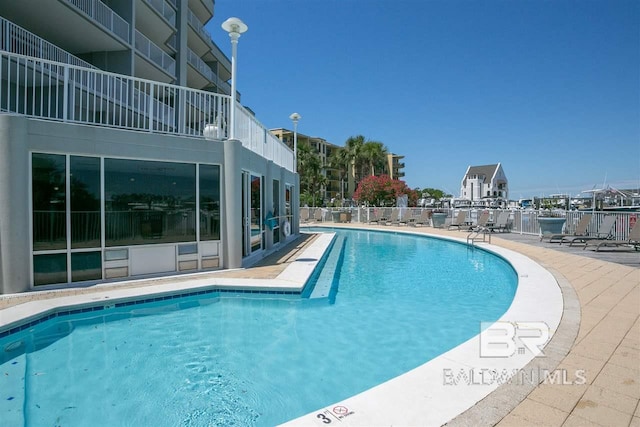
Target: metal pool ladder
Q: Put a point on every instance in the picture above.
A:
(477, 234)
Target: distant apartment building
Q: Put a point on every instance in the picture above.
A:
(334, 187)
(395, 166)
(338, 187)
(485, 185)
(115, 153)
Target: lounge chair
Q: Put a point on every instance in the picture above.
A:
(393, 219)
(633, 240)
(383, 216)
(423, 219)
(378, 214)
(460, 221)
(502, 222)
(318, 215)
(581, 230)
(483, 222)
(304, 215)
(604, 232)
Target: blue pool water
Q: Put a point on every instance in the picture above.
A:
(238, 359)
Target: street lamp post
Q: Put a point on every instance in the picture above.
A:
(295, 117)
(235, 27)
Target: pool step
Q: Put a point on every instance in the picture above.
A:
(324, 283)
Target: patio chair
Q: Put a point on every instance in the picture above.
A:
(604, 232)
(318, 215)
(460, 221)
(633, 240)
(375, 216)
(581, 230)
(502, 222)
(393, 219)
(483, 222)
(304, 215)
(423, 219)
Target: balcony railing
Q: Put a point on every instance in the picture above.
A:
(55, 91)
(258, 139)
(199, 27)
(16, 39)
(168, 12)
(158, 56)
(102, 14)
(200, 65)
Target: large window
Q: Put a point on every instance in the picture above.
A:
(145, 202)
(85, 202)
(149, 202)
(49, 203)
(209, 202)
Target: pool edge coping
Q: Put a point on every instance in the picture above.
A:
(290, 281)
(497, 400)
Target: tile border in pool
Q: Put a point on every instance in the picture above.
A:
(420, 396)
(291, 281)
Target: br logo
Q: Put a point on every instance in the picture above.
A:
(505, 339)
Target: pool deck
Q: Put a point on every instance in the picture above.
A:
(604, 344)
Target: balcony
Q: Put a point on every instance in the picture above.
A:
(157, 56)
(156, 19)
(50, 90)
(16, 39)
(199, 38)
(103, 15)
(206, 75)
(167, 11)
(203, 9)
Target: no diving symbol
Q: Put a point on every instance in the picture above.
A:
(340, 410)
(337, 413)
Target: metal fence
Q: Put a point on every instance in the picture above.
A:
(16, 39)
(520, 221)
(55, 91)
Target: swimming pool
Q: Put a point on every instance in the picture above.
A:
(397, 302)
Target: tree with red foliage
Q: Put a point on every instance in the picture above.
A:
(383, 191)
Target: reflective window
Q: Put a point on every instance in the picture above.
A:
(276, 211)
(86, 266)
(49, 269)
(49, 201)
(256, 213)
(288, 195)
(209, 202)
(149, 202)
(85, 202)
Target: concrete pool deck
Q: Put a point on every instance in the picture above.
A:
(606, 345)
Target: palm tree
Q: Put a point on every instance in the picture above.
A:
(341, 161)
(310, 169)
(375, 155)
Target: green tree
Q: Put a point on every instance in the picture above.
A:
(312, 179)
(374, 155)
(367, 157)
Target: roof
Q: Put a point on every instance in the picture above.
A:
(486, 170)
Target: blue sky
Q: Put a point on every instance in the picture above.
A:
(551, 89)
